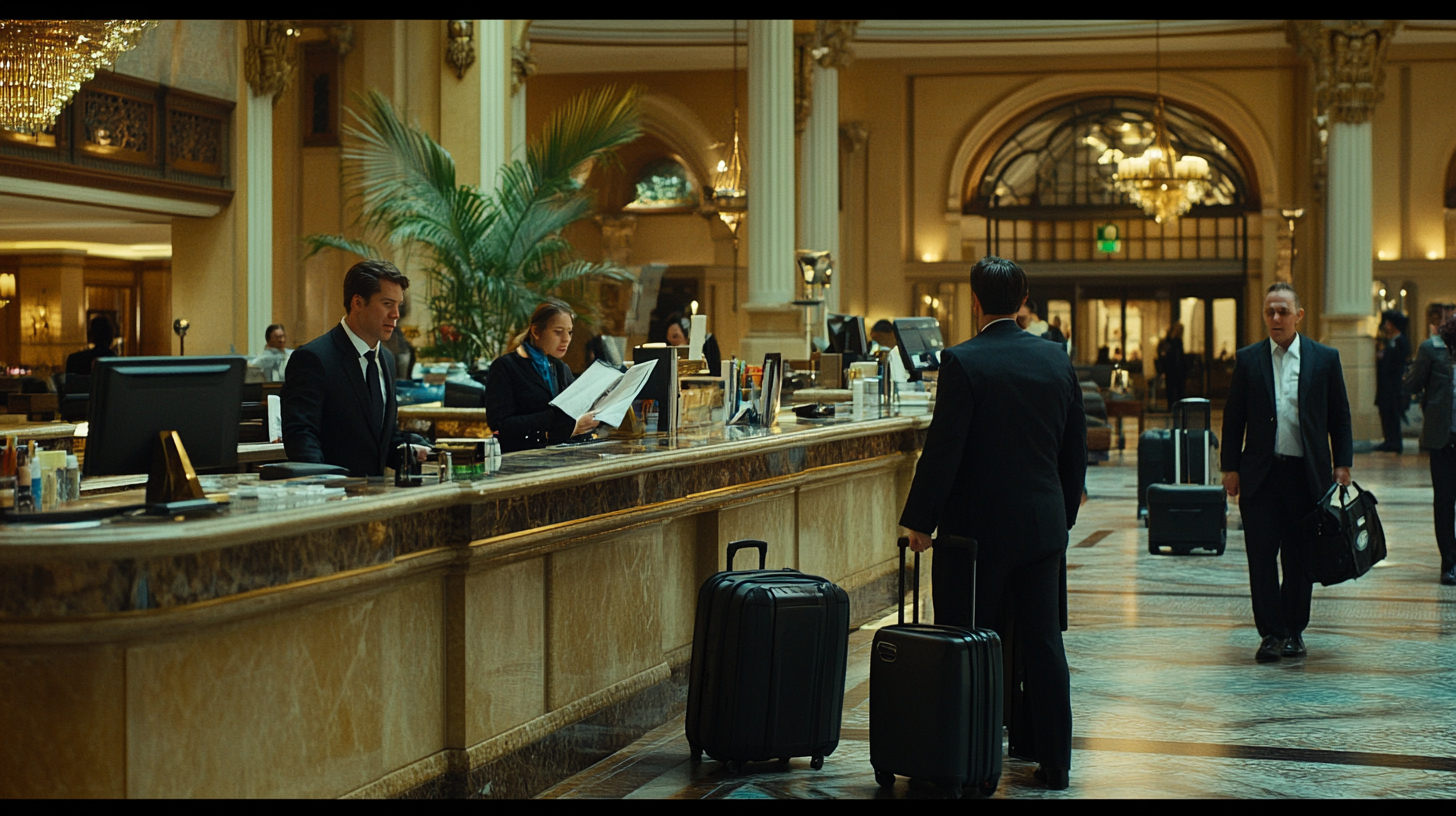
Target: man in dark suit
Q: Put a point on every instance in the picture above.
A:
(1390, 366)
(1286, 439)
(1004, 463)
(338, 391)
(1430, 379)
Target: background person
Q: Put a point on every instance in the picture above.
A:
(679, 329)
(1390, 366)
(1286, 421)
(338, 390)
(1004, 463)
(274, 357)
(1430, 380)
(883, 335)
(1173, 365)
(100, 334)
(522, 382)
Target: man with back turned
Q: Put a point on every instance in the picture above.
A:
(338, 392)
(1287, 413)
(1004, 463)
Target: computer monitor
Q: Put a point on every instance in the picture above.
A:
(134, 399)
(847, 334)
(919, 342)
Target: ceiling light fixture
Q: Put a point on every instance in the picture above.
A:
(730, 193)
(44, 62)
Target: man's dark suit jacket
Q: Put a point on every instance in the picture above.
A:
(518, 403)
(1430, 379)
(326, 409)
(1390, 370)
(1005, 459)
(1250, 419)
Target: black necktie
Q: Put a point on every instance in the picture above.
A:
(371, 386)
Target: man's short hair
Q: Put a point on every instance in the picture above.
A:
(100, 332)
(1283, 286)
(1034, 309)
(363, 279)
(883, 326)
(999, 284)
(1395, 317)
(1435, 313)
(268, 332)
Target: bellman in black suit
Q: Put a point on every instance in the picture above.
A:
(338, 391)
(1286, 433)
(1004, 463)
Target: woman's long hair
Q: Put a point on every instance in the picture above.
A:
(540, 319)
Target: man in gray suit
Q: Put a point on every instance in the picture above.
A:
(1430, 378)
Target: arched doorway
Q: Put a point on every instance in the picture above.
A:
(1046, 199)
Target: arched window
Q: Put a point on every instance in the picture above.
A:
(663, 184)
(1047, 192)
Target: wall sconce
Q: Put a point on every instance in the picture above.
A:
(7, 289)
(460, 52)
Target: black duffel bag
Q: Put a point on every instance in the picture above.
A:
(1344, 535)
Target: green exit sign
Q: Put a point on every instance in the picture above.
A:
(1108, 239)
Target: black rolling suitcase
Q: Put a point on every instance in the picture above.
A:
(767, 677)
(935, 700)
(1193, 513)
(1155, 464)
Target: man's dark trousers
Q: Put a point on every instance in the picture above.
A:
(1443, 482)
(1032, 588)
(1390, 415)
(1273, 536)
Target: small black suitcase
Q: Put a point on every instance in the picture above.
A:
(767, 673)
(1191, 514)
(1155, 464)
(936, 699)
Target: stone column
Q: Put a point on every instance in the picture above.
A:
(1349, 75)
(774, 324)
(523, 66)
(819, 166)
(495, 85)
(269, 65)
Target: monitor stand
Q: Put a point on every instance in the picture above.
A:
(172, 485)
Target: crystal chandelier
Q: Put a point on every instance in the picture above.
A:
(44, 62)
(1160, 182)
(730, 193)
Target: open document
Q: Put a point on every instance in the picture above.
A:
(604, 391)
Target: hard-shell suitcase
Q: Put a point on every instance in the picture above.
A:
(936, 699)
(767, 673)
(1192, 514)
(1155, 464)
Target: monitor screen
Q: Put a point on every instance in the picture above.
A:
(847, 334)
(919, 342)
(133, 399)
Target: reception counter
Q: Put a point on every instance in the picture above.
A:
(482, 638)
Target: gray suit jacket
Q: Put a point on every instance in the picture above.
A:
(1430, 378)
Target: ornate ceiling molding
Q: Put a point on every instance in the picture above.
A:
(1348, 57)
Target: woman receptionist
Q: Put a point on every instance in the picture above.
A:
(522, 382)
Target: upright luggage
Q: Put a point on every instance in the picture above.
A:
(936, 698)
(1193, 513)
(1155, 464)
(767, 675)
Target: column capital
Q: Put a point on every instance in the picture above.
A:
(857, 133)
(832, 39)
(523, 66)
(828, 48)
(460, 45)
(1348, 57)
(269, 58)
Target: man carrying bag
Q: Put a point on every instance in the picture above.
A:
(1344, 533)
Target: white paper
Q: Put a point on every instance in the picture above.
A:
(275, 418)
(613, 406)
(699, 333)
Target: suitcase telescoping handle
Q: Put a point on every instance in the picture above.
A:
(761, 546)
(1181, 412)
(949, 542)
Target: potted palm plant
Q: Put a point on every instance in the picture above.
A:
(491, 257)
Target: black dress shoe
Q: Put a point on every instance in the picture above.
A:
(1270, 650)
(1449, 577)
(1294, 647)
(1053, 778)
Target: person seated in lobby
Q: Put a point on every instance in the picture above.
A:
(275, 354)
(679, 328)
(338, 391)
(523, 381)
(100, 334)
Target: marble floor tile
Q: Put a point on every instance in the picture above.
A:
(1167, 699)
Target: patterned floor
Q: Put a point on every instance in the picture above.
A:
(1167, 698)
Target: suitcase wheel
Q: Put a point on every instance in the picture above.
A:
(816, 763)
(697, 753)
(733, 767)
(952, 788)
(988, 787)
(783, 764)
(1181, 551)
(885, 780)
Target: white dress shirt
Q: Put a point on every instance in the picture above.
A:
(362, 347)
(1287, 440)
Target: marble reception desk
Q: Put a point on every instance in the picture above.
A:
(484, 638)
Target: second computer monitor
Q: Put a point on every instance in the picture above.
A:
(919, 343)
(847, 334)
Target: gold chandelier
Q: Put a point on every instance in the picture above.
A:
(730, 193)
(44, 62)
(1160, 182)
